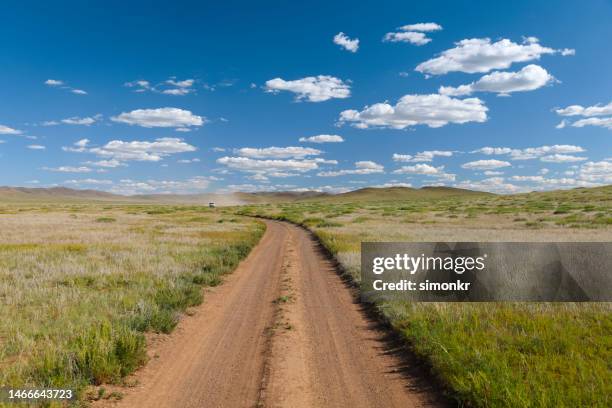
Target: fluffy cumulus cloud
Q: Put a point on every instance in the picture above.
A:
(426, 170)
(424, 27)
(132, 187)
(347, 43)
(590, 174)
(361, 167)
(116, 152)
(432, 110)
(426, 156)
(313, 89)
(528, 78)
(562, 158)
(578, 110)
(485, 164)
(255, 165)
(161, 117)
(481, 55)
(591, 115)
(273, 152)
(322, 139)
(530, 152)
(6, 130)
(412, 33)
(492, 185)
(142, 150)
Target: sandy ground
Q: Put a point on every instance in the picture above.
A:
(282, 331)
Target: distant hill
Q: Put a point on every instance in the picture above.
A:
(63, 194)
(24, 194)
(60, 194)
(402, 193)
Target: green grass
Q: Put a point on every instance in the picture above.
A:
(78, 293)
(494, 354)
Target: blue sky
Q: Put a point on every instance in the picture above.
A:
(189, 97)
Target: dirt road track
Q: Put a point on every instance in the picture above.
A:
(282, 331)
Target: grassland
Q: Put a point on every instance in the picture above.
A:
(81, 285)
(493, 354)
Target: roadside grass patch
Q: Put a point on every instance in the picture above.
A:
(487, 354)
(81, 296)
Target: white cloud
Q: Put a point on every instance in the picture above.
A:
(314, 89)
(590, 113)
(54, 82)
(361, 167)
(36, 147)
(485, 164)
(187, 83)
(425, 27)
(69, 169)
(161, 117)
(140, 85)
(142, 150)
(278, 152)
(425, 156)
(191, 185)
(5, 130)
(112, 163)
(528, 178)
(413, 33)
(89, 181)
(432, 110)
(78, 147)
(411, 37)
(188, 161)
(578, 110)
(75, 120)
(491, 173)
(257, 166)
(492, 185)
(345, 42)
(177, 91)
(171, 86)
(426, 170)
(322, 139)
(597, 172)
(562, 158)
(481, 55)
(529, 78)
(390, 185)
(602, 122)
(529, 152)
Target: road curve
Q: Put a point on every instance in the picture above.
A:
(282, 331)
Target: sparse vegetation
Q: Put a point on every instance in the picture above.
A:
(81, 284)
(494, 354)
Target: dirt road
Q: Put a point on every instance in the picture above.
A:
(282, 331)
